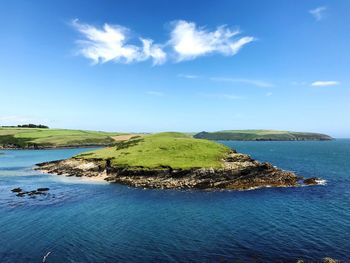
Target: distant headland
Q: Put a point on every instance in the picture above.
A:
(262, 135)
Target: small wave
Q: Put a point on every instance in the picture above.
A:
(321, 182)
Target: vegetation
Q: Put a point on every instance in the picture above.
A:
(261, 135)
(33, 126)
(46, 138)
(162, 150)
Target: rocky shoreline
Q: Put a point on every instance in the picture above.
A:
(239, 172)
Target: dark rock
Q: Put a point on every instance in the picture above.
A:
(43, 189)
(311, 181)
(16, 190)
(21, 194)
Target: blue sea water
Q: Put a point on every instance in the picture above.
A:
(94, 222)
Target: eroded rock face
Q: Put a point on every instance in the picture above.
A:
(239, 172)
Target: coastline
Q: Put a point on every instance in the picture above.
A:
(239, 172)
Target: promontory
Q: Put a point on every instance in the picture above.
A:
(262, 135)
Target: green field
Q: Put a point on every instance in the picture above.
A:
(261, 135)
(46, 138)
(162, 150)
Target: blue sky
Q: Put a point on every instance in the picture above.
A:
(176, 65)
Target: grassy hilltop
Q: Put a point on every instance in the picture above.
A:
(261, 135)
(168, 149)
(47, 138)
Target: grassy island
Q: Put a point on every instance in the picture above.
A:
(16, 137)
(173, 160)
(262, 135)
(168, 149)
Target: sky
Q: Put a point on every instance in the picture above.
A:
(148, 66)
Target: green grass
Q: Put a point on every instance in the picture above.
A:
(25, 137)
(254, 135)
(162, 150)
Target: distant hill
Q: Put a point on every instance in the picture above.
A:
(38, 138)
(262, 135)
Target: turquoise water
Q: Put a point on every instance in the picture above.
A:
(84, 222)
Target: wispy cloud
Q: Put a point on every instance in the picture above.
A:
(298, 83)
(110, 44)
(268, 94)
(155, 93)
(189, 41)
(258, 83)
(318, 13)
(187, 76)
(320, 83)
(221, 96)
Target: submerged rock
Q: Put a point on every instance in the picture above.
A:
(16, 190)
(33, 193)
(238, 172)
(44, 189)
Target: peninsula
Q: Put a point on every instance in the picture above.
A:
(174, 160)
(262, 135)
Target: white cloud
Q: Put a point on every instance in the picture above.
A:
(186, 76)
(189, 41)
(153, 51)
(155, 93)
(318, 13)
(110, 44)
(324, 83)
(258, 83)
(268, 94)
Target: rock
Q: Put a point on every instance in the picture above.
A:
(16, 190)
(33, 193)
(329, 260)
(311, 181)
(44, 189)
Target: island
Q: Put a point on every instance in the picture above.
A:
(262, 135)
(31, 137)
(174, 160)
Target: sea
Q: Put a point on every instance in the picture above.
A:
(84, 221)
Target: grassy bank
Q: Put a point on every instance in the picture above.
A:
(261, 135)
(175, 150)
(46, 138)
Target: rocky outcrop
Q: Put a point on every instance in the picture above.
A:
(329, 260)
(21, 193)
(239, 172)
(311, 181)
